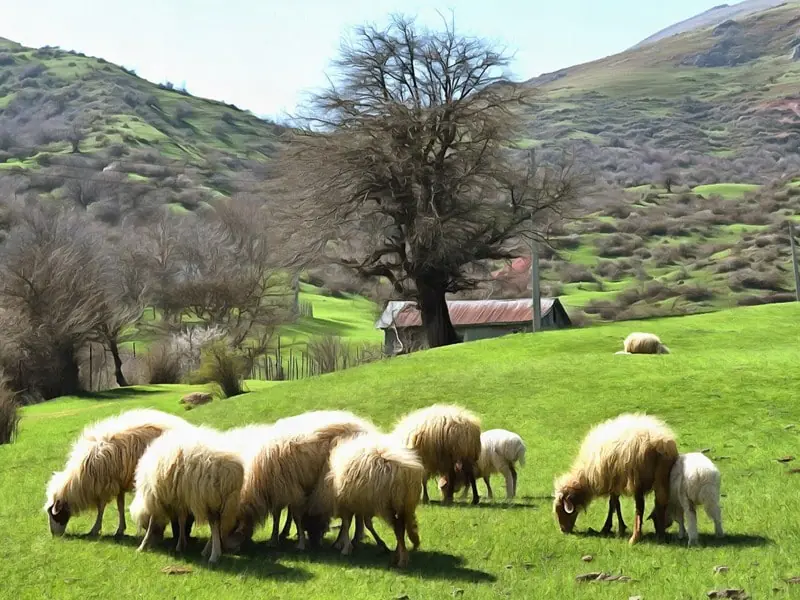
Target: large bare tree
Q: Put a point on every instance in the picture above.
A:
(403, 169)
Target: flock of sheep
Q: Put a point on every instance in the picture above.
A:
(326, 464)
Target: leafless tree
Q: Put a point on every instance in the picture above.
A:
(405, 163)
(52, 296)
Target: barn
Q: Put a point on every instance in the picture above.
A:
(401, 321)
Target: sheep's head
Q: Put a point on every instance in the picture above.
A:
(667, 524)
(458, 482)
(564, 507)
(58, 513)
(315, 526)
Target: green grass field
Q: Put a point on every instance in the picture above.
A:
(729, 385)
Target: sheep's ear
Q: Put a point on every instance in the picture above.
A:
(569, 508)
(57, 506)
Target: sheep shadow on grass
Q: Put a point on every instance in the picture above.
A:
(118, 394)
(496, 504)
(706, 540)
(253, 565)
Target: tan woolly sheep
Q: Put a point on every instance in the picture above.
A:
(101, 466)
(284, 464)
(628, 455)
(500, 451)
(643, 343)
(375, 475)
(189, 471)
(446, 438)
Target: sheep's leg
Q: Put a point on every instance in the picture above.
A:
(489, 493)
(347, 544)
(681, 527)
(371, 528)
(216, 539)
(287, 527)
(714, 513)
(189, 523)
(637, 523)
(98, 522)
(451, 480)
(121, 510)
(609, 524)
(513, 480)
(344, 532)
(298, 524)
(691, 524)
(620, 521)
(182, 542)
(661, 493)
(274, 540)
(401, 553)
(425, 498)
(469, 471)
(358, 535)
(412, 529)
(509, 479)
(148, 536)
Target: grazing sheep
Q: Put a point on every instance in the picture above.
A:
(196, 399)
(101, 466)
(284, 463)
(446, 438)
(500, 451)
(628, 455)
(694, 480)
(643, 343)
(189, 471)
(374, 475)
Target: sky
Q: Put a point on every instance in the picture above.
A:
(265, 55)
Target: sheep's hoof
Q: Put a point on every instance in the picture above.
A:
(476, 501)
(347, 550)
(634, 539)
(119, 533)
(400, 560)
(93, 533)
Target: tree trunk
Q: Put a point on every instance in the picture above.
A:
(66, 380)
(432, 302)
(121, 381)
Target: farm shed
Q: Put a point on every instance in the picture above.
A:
(401, 321)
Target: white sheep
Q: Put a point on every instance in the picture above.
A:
(101, 466)
(446, 438)
(628, 455)
(643, 343)
(500, 451)
(694, 481)
(188, 471)
(373, 475)
(284, 462)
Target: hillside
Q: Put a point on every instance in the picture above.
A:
(711, 17)
(79, 127)
(723, 390)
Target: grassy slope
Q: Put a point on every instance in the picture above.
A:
(724, 387)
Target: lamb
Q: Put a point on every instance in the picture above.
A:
(101, 466)
(446, 438)
(500, 451)
(284, 464)
(643, 343)
(188, 471)
(628, 455)
(374, 475)
(694, 480)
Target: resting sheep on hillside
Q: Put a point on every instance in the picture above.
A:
(101, 466)
(500, 451)
(283, 465)
(446, 438)
(188, 471)
(628, 455)
(371, 475)
(643, 343)
(694, 481)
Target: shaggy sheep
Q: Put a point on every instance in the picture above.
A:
(628, 455)
(188, 471)
(196, 399)
(446, 438)
(284, 463)
(500, 451)
(694, 480)
(373, 475)
(101, 466)
(643, 343)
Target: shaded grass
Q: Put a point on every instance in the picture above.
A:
(714, 390)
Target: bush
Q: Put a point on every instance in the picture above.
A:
(32, 71)
(163, 364)
(577, 274)
(224, 367)
(9, 415)
(750, 279)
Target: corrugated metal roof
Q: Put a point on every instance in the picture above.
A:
(465, 312)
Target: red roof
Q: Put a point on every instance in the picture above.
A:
(466, 312)
(515, 267)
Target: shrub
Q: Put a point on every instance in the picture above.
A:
(9, 415)
(750, 279)
(163, 364)
(32, 71)
(733, 263)
(6, 59)
(696, 293)
(183, 111)
(224, 367)
(577, 274)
